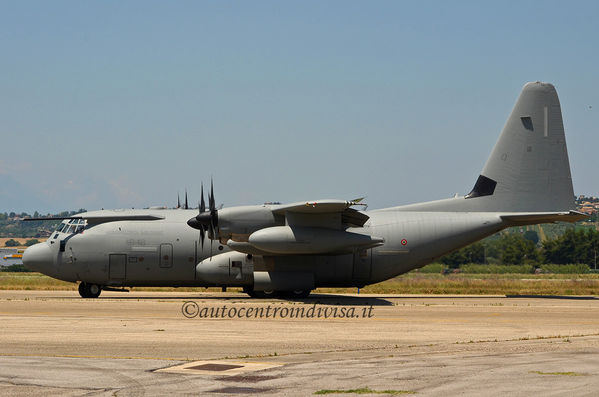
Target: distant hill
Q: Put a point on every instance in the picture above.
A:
(12, 225)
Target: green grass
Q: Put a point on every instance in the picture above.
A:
(32, 281)
(38, 281)
(410, 283)
(363, 390)
(483, 284)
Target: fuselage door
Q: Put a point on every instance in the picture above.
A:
(166, 255)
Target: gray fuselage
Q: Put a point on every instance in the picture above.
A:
(167, 252)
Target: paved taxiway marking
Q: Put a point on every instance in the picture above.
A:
(238, 367)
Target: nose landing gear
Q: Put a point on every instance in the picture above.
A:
(89, 290)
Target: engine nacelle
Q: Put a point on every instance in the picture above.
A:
(309, 240)
(237, 223)
(231, 269)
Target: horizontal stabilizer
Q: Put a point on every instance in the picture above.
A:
(544, 217)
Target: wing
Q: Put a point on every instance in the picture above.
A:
(312, 227)
(97, 217)
(348, 215)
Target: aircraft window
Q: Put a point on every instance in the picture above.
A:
(74, 226)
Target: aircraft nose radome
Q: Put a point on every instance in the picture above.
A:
(37, 257)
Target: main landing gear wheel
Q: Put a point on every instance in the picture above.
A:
(260, 294)
(299, 293)
(89, 290)
(295, 294)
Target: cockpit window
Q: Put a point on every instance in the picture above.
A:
(71, 226)
(62, 226)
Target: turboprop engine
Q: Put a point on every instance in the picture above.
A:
(304, 228)
(235, 223)
(238, 223)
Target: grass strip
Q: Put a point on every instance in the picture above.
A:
(411, 283)
(363, 390)
(557, 373)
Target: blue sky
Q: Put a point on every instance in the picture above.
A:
(123, 103)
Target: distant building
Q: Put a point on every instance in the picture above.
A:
(9, 256)
(587, 204)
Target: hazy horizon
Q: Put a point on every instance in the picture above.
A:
(124, 104)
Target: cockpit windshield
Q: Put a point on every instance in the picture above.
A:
(71, 226)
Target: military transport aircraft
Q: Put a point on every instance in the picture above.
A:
(289, 249)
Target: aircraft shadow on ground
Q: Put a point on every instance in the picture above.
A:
(338, 300)
(320, 299)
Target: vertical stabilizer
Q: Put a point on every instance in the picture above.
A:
(528, 169)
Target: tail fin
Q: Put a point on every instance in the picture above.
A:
(528, 170)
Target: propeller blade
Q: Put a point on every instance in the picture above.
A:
(202, 203)
(186, 205)
(211, 197)
(193, 222)
(212, 204)
(178, 201)
(205, 221)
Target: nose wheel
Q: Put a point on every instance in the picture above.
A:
(87, 290)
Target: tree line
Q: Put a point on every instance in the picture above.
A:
(11, 224)
(574, 246)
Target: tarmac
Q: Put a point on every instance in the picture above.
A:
(150, 343)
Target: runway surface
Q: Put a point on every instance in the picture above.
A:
(142, 343)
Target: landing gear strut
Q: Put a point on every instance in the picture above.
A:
(89, 290)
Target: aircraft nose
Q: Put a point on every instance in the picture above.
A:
(38, 257)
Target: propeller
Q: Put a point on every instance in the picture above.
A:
(206, 221)
(202, 208)
(186, 206)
